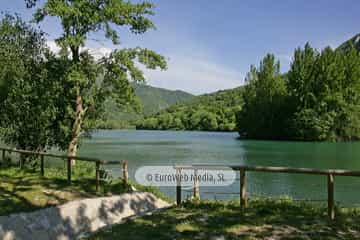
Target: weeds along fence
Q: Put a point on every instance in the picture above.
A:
(329, 173)
(69, 160)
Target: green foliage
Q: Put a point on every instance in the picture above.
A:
(28, 91)
(319, 98)
(78, 18)
(155, 99)
(301, 75)
(151, 99)
(210, 112)
(74, 86)
(262, 115)
(330, 109)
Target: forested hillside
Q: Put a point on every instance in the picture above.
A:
(151, 100)
(318, 99)
(154, 99)
(211, 112)
(354, 41)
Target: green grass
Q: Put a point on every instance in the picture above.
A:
(262, 219)
(152, 189)
(23, 190)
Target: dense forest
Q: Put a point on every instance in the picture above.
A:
(318, 99)
(151, 100)
(211, 112)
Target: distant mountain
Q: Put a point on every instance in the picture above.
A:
(210, 112)
(355, 40)
(178, 110)
(155, 99)
(152, 99)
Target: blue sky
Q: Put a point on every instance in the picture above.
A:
(211, 44)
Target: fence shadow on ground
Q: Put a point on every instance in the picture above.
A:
(23, 190)
(263, 219)
(75, 219)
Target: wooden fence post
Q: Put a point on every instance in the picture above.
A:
(69, 160)
(3, 156)
(42, 165)
(242, 188)
(125, 172)
(20, 161)
(178, 186)
(97, 176)
(196, 185)
(331, 206)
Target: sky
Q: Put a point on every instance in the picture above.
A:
(210, 45)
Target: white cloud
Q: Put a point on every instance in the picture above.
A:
(53, 46)
(100, 52)
(97, 53)
(194, 75)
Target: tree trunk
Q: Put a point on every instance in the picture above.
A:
(73, 145)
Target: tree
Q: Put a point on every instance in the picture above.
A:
(261, 115)
(300, 76)
(348, 118)
(195, 119)
(315, 82)
(28, 90)
(165, 121)
(209, 122)
(194, 114)
(86, 94)
(177, 124)
(325, 91)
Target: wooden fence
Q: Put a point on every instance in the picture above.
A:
(329, 173)
(96, 161)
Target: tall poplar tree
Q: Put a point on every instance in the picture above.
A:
(261, 115)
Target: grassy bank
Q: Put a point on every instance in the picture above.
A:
(24, 190)
(262, 219)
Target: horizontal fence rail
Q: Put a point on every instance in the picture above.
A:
(313, 171)
(98, 162)
(330, 173)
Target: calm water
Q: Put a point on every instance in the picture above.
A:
(170, 147)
